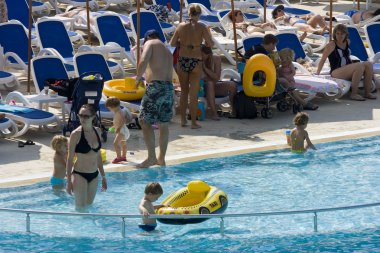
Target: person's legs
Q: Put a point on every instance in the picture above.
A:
(80, 191)
(116, 144)
(183, 101)
(91, 190)
(123, 144)
(351, 72)
(368, 77)
(194, 78)
(227, 88)
(210, 95)
(163, 143)
(317, 20)
(149, 140)
(307, 28)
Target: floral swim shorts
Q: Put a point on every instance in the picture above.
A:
(157, 103)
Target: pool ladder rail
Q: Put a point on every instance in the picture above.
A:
(188, 216)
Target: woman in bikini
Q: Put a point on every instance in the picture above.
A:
(85, 143)
(338, 51)
(359, 16)
(249, 27)
(188, 37)
(308, 24)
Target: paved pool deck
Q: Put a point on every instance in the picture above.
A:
(335, 119)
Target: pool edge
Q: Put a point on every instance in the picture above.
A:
(177, 159)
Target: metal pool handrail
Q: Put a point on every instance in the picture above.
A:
(188, 216)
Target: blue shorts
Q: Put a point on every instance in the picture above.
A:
(301, 21)
(157, 103)
(148, 227)
(350, 13)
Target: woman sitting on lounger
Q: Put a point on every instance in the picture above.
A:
(359, 16)
(308, 23)
(249, 27)
(338, 51)
(212, 69)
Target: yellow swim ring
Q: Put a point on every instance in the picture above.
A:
(197, 198)
(259, 62)
(124, 89)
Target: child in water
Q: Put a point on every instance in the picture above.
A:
(152, 192)
(60, 144)
(121, 130)
(299, 134)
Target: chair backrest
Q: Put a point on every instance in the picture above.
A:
(91, 62)
(148, 21)
(14, 38)
(53, 34)
(47, 67)
(251, 41)
(117, 34)
(290, 40)
(175, 4)
(372, 32)
(19, 10)
(356, 43)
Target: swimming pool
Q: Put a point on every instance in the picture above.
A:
(337, 174)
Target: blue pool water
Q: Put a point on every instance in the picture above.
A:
(337, 174)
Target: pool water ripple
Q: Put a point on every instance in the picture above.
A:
(337, 174)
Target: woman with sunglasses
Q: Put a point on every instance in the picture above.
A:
(312, 23)
(249, 28)
(85, 144)
(188, 37)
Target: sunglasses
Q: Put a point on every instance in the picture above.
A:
(280, 11)
(84, 116)
(238, 14)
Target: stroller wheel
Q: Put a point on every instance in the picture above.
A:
(266, 113)
(282, 106)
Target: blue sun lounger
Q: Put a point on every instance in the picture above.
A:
(30, 116)
(7, 128)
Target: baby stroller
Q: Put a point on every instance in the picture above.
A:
(87, 90)
(282, 97)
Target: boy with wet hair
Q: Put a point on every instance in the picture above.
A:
(152, 192)
(299, 135)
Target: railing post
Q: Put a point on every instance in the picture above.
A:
(315, 222)
(123, 227)
(221, 226)
(27, 222)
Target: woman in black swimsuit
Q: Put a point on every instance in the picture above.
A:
(188, 37)
(338, 51)
(85, 143)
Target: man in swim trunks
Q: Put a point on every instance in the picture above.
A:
(157, 103)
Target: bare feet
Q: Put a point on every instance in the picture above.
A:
(147, 163)
(195, 126)
(161, 162)
(183, 123)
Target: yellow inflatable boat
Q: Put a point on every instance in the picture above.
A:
(197, 198)
(124, 89)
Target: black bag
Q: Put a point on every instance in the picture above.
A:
(245, 106)
(64, 87)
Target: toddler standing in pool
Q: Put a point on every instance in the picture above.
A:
(152, 192)
(299, 134)
(120, 119)
(60, 144)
